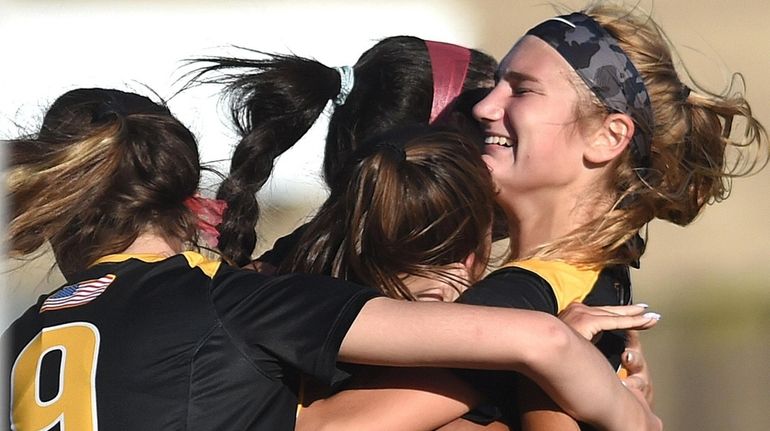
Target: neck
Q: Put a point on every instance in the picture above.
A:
(152, 243)
(537, 220)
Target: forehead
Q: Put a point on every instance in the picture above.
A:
(534, 57)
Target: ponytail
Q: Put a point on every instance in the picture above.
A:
(105, 167)
(273, 103)
(415, 202)
(275, 100)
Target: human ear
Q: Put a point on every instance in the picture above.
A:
(474, 267)
(610, 139)
(469, 262)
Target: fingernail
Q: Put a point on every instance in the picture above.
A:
(651, 315)
(642, 304)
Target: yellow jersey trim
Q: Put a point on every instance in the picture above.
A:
(569, 283)
(195, 260)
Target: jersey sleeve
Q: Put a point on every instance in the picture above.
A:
(512, 288)
(299, 319)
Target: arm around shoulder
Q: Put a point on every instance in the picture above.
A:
(389, 332)
(385, 399)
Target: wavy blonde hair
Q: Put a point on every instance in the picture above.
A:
(694, 156)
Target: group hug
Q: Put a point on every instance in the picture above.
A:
(382, 311)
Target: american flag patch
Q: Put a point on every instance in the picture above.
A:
(77, 294)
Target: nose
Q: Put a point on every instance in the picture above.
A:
(488, 110)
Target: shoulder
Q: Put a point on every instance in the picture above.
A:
(513, 277)
(282, 247)
(512, 287)
(246, 295)
(612, 288)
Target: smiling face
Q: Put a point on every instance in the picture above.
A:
(534, 144)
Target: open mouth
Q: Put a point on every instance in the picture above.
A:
(499, 140)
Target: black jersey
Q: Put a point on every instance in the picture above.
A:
(179, 343)
(282, 247)
(547, 286)
(550, 287)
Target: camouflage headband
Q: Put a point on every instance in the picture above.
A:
(598, 59)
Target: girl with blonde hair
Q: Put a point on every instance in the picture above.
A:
(148, 334)
(590, 135)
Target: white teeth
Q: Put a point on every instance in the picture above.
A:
(498, 140)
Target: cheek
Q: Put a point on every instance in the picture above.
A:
(497, 164)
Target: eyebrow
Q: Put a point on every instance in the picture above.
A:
(514, 76)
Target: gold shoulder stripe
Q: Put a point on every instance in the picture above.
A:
(117, 258)
(195, 260)
(569, 283)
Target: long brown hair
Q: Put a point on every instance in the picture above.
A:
(693, 157)
(105, 167)
(275, 99)
(410, 203)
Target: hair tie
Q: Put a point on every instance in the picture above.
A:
(209, 213)
(449, 65)
(106, 110)
(347, 80)
(607, 70)
(116, 103)
(684, 93)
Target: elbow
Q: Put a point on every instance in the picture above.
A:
(554, 342)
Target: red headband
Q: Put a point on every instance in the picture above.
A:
(450, 65)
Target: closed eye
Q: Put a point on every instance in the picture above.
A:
(520, 91)
(521, 83)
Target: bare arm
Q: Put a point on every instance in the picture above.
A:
(539, 413)
(389, 332)
(542, 414)
(385, 399)
(466, 425)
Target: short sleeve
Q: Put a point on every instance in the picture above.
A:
(509, 287)
(512, 288)
(299, 319)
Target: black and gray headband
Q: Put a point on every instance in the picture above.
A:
(598, 59)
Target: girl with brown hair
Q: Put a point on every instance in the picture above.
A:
(398, 82)
(411, 215)
(591, 134)
(149, 335)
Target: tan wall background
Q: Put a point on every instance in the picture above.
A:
(710, 280)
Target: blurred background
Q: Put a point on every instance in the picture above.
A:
(710, 280)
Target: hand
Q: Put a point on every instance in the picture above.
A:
(638, 372)
(591, 321)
